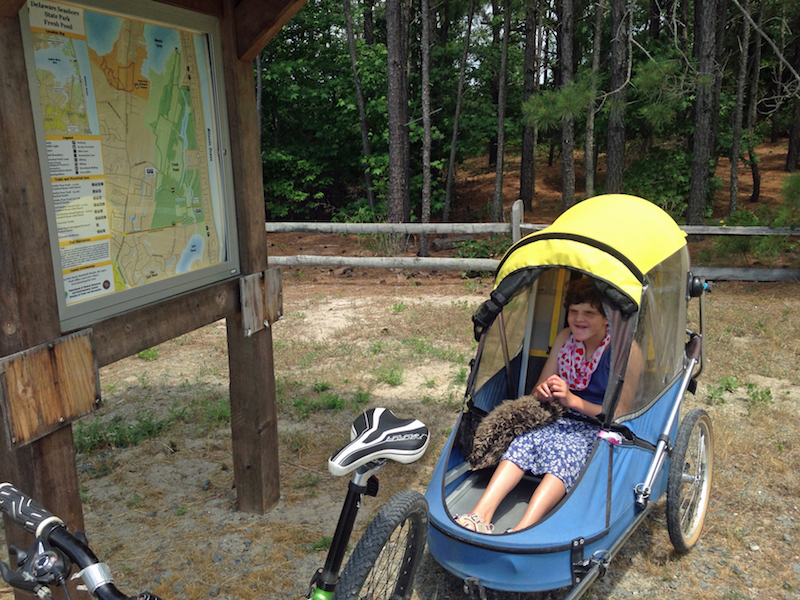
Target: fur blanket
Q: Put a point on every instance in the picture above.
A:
(507, 422)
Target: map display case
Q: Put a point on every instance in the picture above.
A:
(134, 151)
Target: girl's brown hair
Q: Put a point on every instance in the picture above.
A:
(582, 291)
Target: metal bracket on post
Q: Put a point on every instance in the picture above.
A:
(517, 210)
(262, 300)
(580, 566)
(48, 386)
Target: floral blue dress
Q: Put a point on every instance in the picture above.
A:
(562, 448)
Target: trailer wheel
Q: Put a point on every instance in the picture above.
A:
(689, 480)
(386, 557)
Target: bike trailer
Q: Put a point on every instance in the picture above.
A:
(636, 257)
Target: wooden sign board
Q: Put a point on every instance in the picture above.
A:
(262, 299)
(43, 388)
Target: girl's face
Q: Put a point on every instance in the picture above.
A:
(586, 323)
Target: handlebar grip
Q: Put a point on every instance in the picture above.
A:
(24, 511)
(694, 347)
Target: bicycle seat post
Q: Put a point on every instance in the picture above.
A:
(363, 482)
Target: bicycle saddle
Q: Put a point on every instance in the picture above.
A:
(377, 434)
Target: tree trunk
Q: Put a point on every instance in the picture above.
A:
(394, 100)
(588, 155)
(756, 173)
(683, 29)
(615, 145)
(451, 166)
(494, 81)
(752, 110)
(369, 27)
(497, 203)
(793, 154)
(779, 78)
(568, 121)
(527, 172)
(719, 57)
(655, 19)
(362, 109)
(426, 125)
(405, 20)
(705, 30)
(739, 110)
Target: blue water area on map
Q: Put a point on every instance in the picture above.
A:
(160, 42)
(102, 31)
(192, 252)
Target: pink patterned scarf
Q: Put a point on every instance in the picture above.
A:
(572, 364)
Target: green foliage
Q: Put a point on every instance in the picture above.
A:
(715, 393)
(390, 374)
(322, 544)
(150, 354)
(399, 307)
(547, 109)
(662, 176)
(763, 247)
(308, 480)
(493, 247)
(117, 433)
(757, 397)
(460, 378)
(319, 398)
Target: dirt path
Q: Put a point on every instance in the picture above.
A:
(161, 513)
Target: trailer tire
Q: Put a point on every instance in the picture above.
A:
(689, 480)
(386, 557)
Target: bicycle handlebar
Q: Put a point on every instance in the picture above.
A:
(49, 528)
(24, 511)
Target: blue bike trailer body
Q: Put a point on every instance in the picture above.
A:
(637, 259)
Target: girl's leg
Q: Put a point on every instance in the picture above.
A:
(505, 478)
(547, 494)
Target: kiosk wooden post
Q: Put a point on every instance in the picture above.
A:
(29, 316)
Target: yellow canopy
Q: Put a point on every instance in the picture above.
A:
(615, 237)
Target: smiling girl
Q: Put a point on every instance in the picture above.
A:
(575, 375)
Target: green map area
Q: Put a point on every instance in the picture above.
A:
(160, 195)
(60, 87)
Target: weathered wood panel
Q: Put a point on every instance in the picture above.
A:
(129, 333)
(207, 7)
(257, 22)
(262, 300)
(44, 469)
(25, 243)
(10, 8)
(254, 418)
(254, 426)
(742, 274)
(47, 386)
(245, 152)
(385, 262)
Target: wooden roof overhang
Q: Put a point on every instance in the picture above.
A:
(256, 21)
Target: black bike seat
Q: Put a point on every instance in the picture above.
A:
(376, 434)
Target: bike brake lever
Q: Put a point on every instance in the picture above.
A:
(17, 579)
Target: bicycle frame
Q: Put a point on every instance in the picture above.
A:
(363, 482)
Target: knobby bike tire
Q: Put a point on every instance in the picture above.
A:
(386, 557)
(692, 457)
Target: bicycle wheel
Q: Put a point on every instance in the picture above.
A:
(689, 480)
(386, 557)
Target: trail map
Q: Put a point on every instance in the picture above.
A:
(128, 119)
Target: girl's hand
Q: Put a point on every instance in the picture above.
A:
(552, 388)
(559, 390)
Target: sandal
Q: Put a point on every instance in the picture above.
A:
(473, 523)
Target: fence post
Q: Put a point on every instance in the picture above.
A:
(516, 221)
